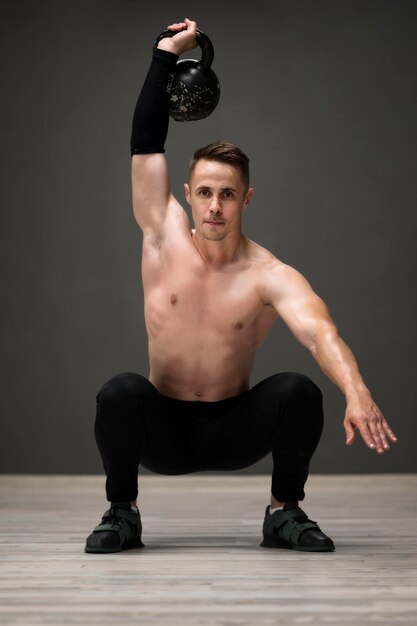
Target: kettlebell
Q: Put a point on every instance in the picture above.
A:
(194, 89)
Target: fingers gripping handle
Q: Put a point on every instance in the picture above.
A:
(203, 42)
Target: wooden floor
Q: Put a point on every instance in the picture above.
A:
(202, 564)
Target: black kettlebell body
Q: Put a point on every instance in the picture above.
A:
(194, 88)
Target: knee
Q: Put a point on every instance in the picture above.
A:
(301, 400)
(301, 386)
(296, 387)
(122, 388)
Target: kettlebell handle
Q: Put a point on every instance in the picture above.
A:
(202, 41)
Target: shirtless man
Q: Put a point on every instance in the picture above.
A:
(211, 297)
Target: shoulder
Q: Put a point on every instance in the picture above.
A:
(267, 263)
(270, 271)
(258, 255)
(275, 277)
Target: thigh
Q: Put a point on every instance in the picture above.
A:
(246, 433)
(133, 417)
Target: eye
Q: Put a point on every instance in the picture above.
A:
(204, 193)
(228, 195)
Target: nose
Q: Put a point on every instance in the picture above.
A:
(215, 205)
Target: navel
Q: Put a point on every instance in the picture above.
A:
(198, 394)
(174, 299)
(238, 325)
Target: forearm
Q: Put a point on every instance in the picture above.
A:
(151, 116)
(337, 361)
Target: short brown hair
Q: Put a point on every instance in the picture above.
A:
(223, 152)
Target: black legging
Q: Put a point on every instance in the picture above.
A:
(135, 425)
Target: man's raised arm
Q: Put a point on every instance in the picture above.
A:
(151, 192)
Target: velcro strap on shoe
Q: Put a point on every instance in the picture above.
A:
(103, 527)
(125, 514)
(114, 525)
(290, 526)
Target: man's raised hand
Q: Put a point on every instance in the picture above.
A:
(183, 40)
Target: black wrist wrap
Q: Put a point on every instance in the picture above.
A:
(151, 116)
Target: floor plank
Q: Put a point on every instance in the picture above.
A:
(202, 565)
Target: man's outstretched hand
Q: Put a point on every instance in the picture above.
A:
(183, 40)
(364, 415)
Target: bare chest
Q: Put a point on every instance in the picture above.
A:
(222, 305)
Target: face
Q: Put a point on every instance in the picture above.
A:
(217, 195)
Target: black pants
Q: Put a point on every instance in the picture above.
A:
(135, 425)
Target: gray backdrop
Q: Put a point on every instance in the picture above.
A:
(321, 95)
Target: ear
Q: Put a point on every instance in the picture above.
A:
(248, 197)
(187, 193)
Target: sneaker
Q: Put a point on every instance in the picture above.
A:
(120, 529)
(291, 528)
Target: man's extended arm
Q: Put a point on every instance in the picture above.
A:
(308, 318)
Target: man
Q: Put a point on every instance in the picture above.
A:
(211, 296)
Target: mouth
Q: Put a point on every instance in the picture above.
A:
(214, 223)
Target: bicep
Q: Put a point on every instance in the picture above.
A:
(299, 306)
(151, 194)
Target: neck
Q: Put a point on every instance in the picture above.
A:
(219, 252)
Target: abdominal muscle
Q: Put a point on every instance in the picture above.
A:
(189, 369)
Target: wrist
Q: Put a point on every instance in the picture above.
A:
(355, 393)
(165, 56)
(168, 44)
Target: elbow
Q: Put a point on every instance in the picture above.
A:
(324, 334)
